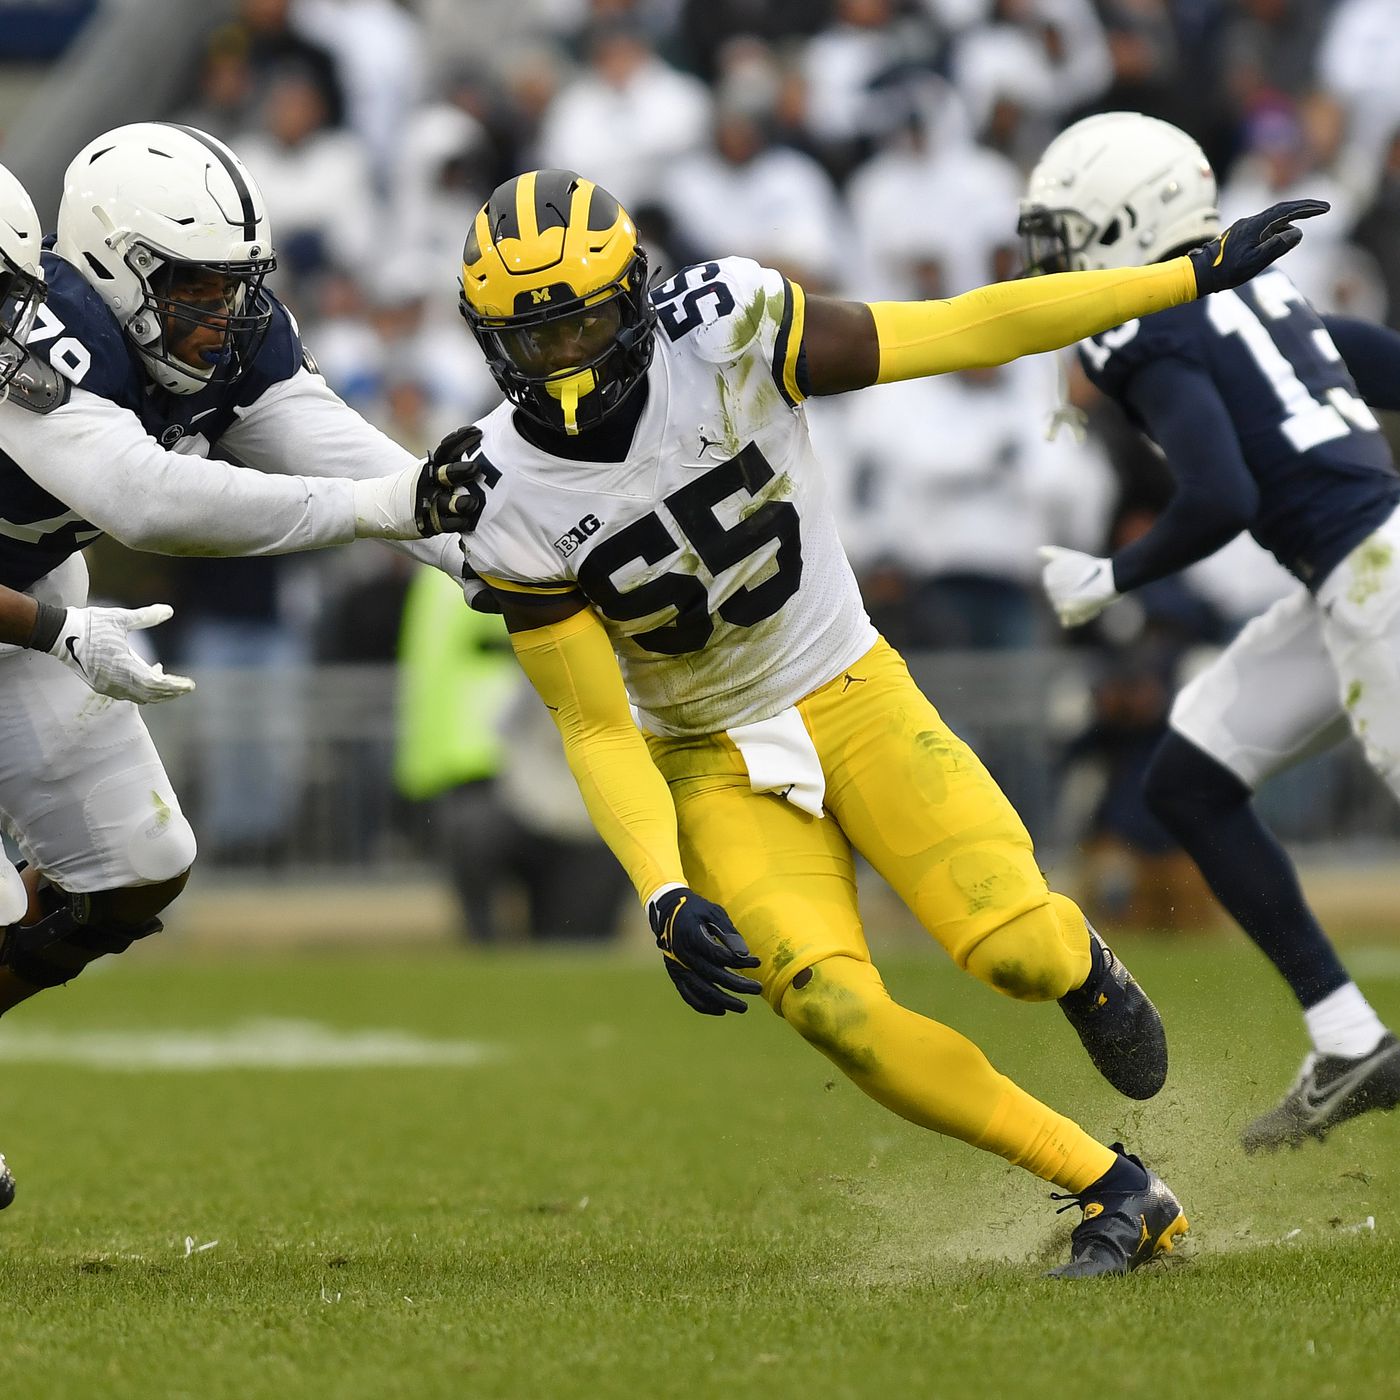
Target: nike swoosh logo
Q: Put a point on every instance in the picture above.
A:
(205, 414)
(73, 652)
(1221, 253)
(1320, 1102)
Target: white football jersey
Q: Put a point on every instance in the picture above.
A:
(711, 554)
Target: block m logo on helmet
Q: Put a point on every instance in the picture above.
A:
(554, 289)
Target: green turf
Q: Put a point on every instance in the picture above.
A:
(634, 1201)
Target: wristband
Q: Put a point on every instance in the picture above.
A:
(48, 626)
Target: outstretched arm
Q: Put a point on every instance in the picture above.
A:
(849, 345)
(97, 458)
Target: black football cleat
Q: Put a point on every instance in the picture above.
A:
(7, 1184)
(1130, 1218)
(1118, 1025)
(1329, 1090)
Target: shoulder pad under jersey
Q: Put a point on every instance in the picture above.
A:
(279, 356)
(77, 335)
(720, 308)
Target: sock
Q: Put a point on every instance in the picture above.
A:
(1123, 1176)
(1343, 1023)
(1208, 809)
(929, 1074)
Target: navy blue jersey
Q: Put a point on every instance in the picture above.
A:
(78, 336)
(1323, 471)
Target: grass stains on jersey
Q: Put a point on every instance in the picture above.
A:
(1370, 564)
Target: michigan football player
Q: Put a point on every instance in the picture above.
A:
(651, 520)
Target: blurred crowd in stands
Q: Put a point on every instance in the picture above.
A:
(871, 148)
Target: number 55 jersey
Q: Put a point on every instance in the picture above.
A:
(711, 553)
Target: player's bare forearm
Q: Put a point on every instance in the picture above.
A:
(18, 614)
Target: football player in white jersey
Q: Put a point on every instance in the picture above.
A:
(651, 519)
(145, 338)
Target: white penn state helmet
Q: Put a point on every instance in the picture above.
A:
(149, 210)
(21, 277)
(1117, 190)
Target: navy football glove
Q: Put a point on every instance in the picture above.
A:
(1249, 245)
(459, 457)
(701, 947)
(444, 500)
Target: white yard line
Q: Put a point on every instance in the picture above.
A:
(263, 1044)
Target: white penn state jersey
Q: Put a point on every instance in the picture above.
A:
(711, 554)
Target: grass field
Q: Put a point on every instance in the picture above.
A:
(541, 1176)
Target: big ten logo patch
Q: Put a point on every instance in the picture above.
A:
(566, 544)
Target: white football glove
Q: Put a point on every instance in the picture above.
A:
(1078, 585)
(93, 643)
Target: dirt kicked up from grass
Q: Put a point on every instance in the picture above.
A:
(541, 1176)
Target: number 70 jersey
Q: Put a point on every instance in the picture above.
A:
(711, 553)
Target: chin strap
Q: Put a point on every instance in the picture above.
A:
(1065, 414)
(568, 389)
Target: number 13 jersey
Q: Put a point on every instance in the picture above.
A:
(711, 553)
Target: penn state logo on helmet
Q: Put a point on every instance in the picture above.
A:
(1118, 189)
(170, 229)
(554, 287)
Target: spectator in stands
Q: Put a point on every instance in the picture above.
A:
(476, 746)
(706, 27)
(1023, 74)
(348, 352)
(749, 197)
(1270, 48)
(1356, 63)
(275, 43)
(444, 172)
(316, 180)
(1287, 149)
(378, 50)
(1378, 229)
(929, 175)
(1143, 48)
(233, 620)
(850, 104)
(223, 100)
(965, 494)
(627, 117)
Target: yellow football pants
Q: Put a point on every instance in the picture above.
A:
(920, 807)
